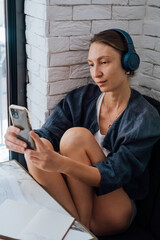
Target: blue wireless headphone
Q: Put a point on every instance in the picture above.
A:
(130, 60)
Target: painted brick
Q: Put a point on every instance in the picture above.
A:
(69, 2)
(68, 58)
(137, 40)
(58, 73)
(69, 28)
(139, 51)
(91, 12)
(148, 92)
(36, 96)
(149, 42)
(79, 71)
(45, 2)
(136, 27)
(133, 81)
(52, 101)
(150, 82)
(153, 13)
(130, 13)
(79, 43)
(151, 56)
(118, 2)
(147, 68)
(153, 3)
(157, 45)
(28, 50)
(102, 25)
(65, 86)
(57, 44)
(33, 67)
(43, 73)
(35, 10)
(39, 56)
(57, 47)
(39, 115)
(38, 84)
(155, 94)
(59, 13)
(37, 26)
(35, 122)
(137, 2)
(156, 71)
(35, 40)
(152, 28)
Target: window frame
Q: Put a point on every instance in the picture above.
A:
(15, 58)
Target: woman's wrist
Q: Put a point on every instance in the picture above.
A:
(79, 171)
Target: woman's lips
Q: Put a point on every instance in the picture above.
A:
(101, 83)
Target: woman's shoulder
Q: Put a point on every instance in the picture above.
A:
(141, 119)
(143, 105)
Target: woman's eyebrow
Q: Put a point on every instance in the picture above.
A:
(89, 60)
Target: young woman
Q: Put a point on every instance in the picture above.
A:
(92, 152)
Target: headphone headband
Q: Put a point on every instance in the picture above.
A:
(130, 60)
(127, 38)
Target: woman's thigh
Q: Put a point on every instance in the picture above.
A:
(112, 212)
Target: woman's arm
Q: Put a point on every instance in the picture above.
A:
(48, 160)
(79, 171)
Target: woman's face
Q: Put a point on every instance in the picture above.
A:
(106, 68)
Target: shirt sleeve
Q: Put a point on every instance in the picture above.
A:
(57, 123)
(72, 111)
(130, 155)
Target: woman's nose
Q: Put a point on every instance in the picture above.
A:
(97, 72)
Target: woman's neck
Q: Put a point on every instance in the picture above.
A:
(117, 99)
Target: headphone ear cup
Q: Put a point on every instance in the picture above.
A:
(130, 61)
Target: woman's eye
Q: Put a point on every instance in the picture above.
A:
(104, 62)
(91, 65)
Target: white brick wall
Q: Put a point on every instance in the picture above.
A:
(58, 33)
(149, 76)
(91, 12)
(128, 13)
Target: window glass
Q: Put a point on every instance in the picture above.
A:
(4, 153)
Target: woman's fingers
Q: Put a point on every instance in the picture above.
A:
(12, 137)
(35, 157)
(31, 154)
(38, 142)
(12, 142)
(15, 148)
(13, 129)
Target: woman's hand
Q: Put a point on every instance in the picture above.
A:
(44, 157)
(12, 142)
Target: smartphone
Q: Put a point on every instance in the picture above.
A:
(20, 119)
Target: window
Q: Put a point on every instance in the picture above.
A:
(4, 154)
(15, 58)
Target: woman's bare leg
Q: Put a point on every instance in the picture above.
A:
(54, 184)
(109, 213)
(112, 213)
(73, 145)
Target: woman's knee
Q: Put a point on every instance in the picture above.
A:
(74, 138)
(112, 223)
